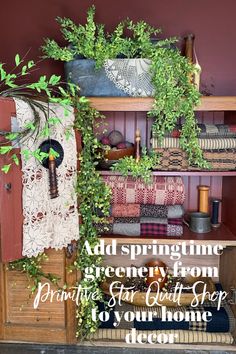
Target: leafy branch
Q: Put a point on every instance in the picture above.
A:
(93, 194)
(55, 93)
(141, 169)
(32, 267)
(174, 95)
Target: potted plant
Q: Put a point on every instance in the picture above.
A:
(148, 68)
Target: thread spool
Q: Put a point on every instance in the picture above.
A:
(215, 213)
(53, 189)
(203, 199)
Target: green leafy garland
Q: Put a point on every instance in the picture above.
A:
(174, 97)
(32, 267)
(141, 169)
(93, 195)
(51, 87)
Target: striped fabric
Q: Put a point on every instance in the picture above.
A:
(176, 160)
(209, 131)
(205, 144)
(182, 336)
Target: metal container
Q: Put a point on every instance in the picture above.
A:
(200, 222)
(92, 82)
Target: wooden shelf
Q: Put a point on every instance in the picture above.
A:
(144, 104)
(177, 173)
(221, 235)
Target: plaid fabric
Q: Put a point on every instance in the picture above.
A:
(153, 229)
(198, 325)
(165, 227)
(162, 190)
(220, 320)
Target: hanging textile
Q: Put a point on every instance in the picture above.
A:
(48, 222)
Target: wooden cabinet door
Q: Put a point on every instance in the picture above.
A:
(10, 195)
(51, 322)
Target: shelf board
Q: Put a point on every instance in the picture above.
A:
(144, 104)
(221, 235)
(177, 173)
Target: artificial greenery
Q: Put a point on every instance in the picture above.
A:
(93, 194)
(32, 267)
(175, 96)
(141, 169)
(10, 86)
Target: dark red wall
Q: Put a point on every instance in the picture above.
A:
(24, 24)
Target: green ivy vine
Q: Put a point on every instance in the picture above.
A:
(32, 267)
(93, 194)
(175, 96)
(141, 169)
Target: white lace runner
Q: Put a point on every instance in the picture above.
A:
(48, 222)
(130, 75)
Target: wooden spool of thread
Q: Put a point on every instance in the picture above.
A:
(137, 145)
(53, 189)
(215, 213)
(203, 199)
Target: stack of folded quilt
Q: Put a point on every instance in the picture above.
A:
(139, 209)
(218, 142)
(218, 330)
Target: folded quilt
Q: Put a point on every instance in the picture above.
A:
(183, 336)
(176, 159)
(208, 131)
(146, 210)
(142, 227)
(152, 229)
(222, 320)
(205, 144)
(161, 191)
(143, 220)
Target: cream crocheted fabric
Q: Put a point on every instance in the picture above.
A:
(130, 75)
(48, 222)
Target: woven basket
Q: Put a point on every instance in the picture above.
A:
(116, 154)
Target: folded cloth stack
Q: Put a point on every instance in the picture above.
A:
(217, 330)
(139, 209)
(218, 142)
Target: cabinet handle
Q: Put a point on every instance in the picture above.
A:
(7, 186)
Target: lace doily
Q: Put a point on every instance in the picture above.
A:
(48, 222)
(130, 75)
